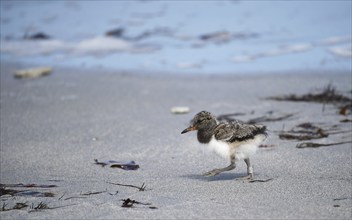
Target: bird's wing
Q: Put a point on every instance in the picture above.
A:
(231, 132)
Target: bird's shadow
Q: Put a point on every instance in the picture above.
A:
(220, 177)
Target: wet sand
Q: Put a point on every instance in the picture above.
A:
(53, 127)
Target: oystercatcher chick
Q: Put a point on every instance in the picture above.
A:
(232, 140)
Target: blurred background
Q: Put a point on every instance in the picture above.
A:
(179, 36)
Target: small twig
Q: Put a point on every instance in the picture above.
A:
(315, 145)
(92, 193)
(142, 188)
(56, 207)
(75, 197)
(339, 132)
(3, 208)
(100, 163)
(261, 181)
(62, 196)
(338, 199)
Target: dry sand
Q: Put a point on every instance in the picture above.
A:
(53, 127)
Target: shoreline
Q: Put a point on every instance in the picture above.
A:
(307, 71)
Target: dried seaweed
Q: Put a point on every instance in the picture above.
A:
(4, 191)
(260, 181)
(309, 131)
(315, 145)
(92, 193)
(40, 205)
(131, 165)
(128, 203)
(304, 131)
(34, 193)
(27, 185)
(327, 95)
(265, 118)
(269, 119)
(302, 137)
(13, 192)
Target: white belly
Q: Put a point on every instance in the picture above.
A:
(241, 150)
(220, 148)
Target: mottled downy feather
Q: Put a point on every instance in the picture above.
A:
(235, 131)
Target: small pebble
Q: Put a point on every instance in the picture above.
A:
(34, 72)
(180, 110)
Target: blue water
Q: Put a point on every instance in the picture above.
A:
(257, 36)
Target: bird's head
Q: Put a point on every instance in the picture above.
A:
(201, 120)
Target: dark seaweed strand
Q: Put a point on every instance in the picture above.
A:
(261, 130)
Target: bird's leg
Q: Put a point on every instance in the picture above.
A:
(218, 171)
(249, 171)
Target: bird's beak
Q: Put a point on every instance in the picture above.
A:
(190, 128)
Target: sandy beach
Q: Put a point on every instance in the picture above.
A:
(53, 127)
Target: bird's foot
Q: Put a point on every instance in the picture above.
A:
(248, 177)
(212, 173)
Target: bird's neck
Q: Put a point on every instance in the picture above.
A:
(204, 135)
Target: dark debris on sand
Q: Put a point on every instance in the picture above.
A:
(14, 192)
(304, 131)
(308, 131)
(316, 145)
(129, 203)
(328, 95)
(130, 165)
(269, 117)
